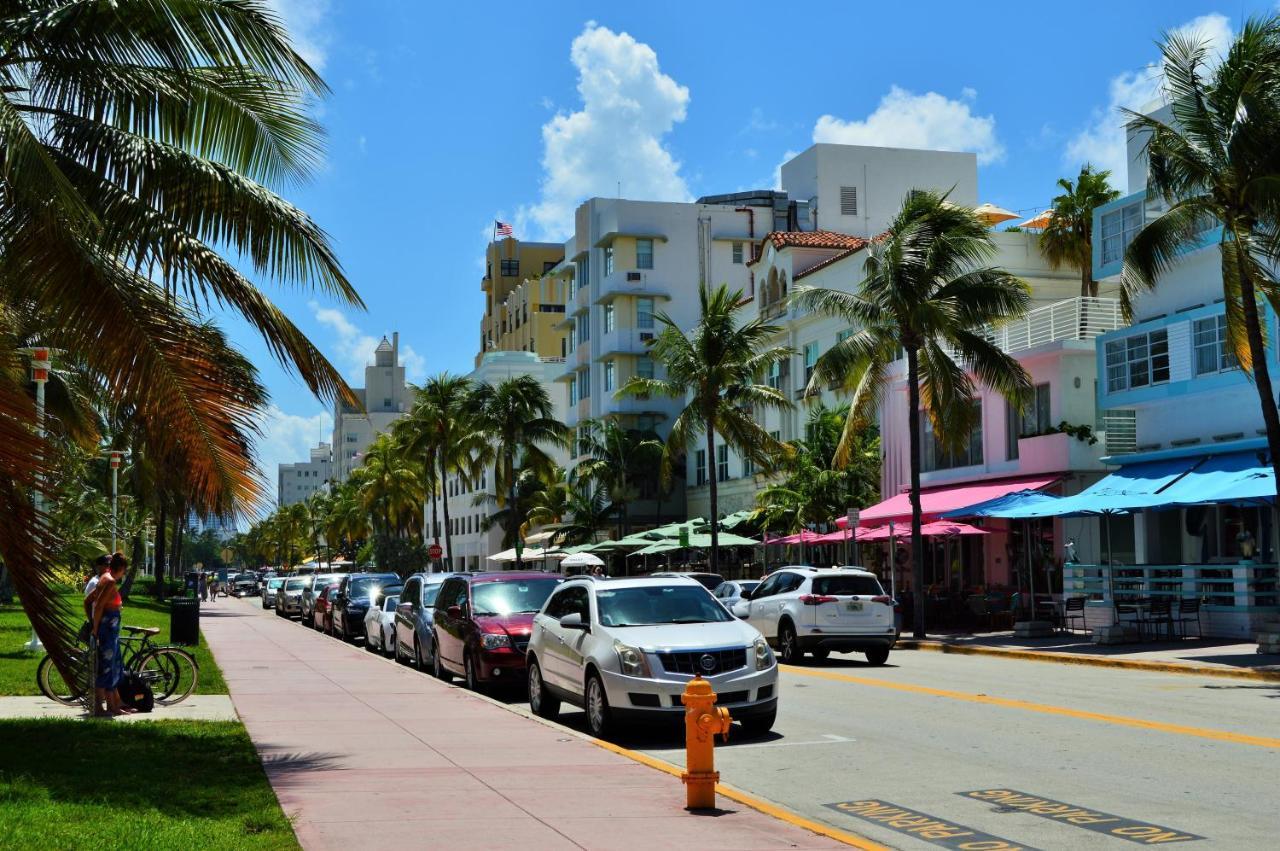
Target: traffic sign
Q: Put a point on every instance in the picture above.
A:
(435, 552)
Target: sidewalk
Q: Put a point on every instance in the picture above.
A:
(198, 707)
(362, 752)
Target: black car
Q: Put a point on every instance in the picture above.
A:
(356, 593)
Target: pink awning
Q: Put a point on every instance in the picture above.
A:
(940, 500)
(937, 529)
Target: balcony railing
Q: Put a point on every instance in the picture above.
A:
(1244, 585)
(1072, 319)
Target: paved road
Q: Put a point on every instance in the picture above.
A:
(1090, 752)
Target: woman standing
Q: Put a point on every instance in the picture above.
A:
(106, 627)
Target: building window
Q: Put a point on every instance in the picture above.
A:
(774, 376)
(351, 438)
(548, 265)
(573, 391)
(937, 456)
(810, 360)
(737, 253)
(722, 463)
(1028, 422)
(1138, 361)
(644, 253)
(645, 423)
(510, 268)
(584, 328)
(644, 366)
(608, 260)
(584, 383)
(584, 440)
(748, 468)
(1118, 229)
(608, 317)
(700, 467)
(848, 200)
(608, 376)
(644, 312)
(1210, 343)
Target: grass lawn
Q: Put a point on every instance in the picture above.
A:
(18, 668)
(165, 784)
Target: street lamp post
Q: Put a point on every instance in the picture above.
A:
(40, 366)
(116, 457)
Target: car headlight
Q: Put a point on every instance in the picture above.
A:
(764, 656)
(494, 640)
(632, 660)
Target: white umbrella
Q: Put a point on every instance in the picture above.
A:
(582, 560)
(529, 554)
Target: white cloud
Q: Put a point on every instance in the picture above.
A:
(307, 21)
(628, 106)
(932, 121)
(1102, 141)
(287, 438)
(354, 348)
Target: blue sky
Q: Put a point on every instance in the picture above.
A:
(445, 117)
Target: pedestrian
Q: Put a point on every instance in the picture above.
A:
(204, 587)
(100, 565)
(106, 628)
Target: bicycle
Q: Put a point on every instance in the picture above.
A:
(171, 671)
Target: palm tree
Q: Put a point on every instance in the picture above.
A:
(551, 503)
(1217, 161)
(389, 488)
(1068, 240)
(617, 459)
(588, 512)
(716, 367)
(519, 421)
(142, 145)
(925, 292)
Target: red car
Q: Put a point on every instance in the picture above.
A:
(322, 614)
(482, 624)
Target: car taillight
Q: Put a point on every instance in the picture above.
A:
(883, 598)
(817, 599)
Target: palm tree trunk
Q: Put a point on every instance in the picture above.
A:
(513, 509)
(448, 533)
(159, 552)
(712, 491)
(917, 540)
(1261, 370)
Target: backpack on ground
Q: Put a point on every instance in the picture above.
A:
(136, 693)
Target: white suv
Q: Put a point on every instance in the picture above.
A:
(818, 610)
(626, 648)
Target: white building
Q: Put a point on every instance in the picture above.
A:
(470, 504)
(299, 481)
(385, 399)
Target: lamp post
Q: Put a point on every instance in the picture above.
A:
(115, 456)
(40, 366)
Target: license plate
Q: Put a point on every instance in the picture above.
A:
(853, 606)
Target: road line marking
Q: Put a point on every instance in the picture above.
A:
(827, 739)
(1047, 709)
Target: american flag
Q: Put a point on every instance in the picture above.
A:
(502, 228)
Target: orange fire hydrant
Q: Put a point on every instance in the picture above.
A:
(702, 721)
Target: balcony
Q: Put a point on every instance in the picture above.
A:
(1072, 319)
(642, 282)
(625, 341)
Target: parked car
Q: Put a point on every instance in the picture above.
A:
(289, 598)
(415, 619)
(482, 624)
(244, 585)
(624, 650)
(269, 591)
(356, 592)
(710, 581)
(380, 621)
(322, 613)
(731, 592)
(819, 610)
(314, 584)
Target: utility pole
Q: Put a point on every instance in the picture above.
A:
(40, 366)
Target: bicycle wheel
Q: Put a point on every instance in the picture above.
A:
(171, 672)
(56, 687)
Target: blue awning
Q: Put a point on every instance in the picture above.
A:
(1010, 505)
(1233, 477)
(1131, 488)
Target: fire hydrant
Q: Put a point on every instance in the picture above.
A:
(702, 721)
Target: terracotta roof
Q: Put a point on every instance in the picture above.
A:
(814, 239)
(830, 260)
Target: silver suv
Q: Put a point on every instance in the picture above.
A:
(817, 610)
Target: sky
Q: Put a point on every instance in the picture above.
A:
(445, 117)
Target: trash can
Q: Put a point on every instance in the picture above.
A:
(184, 620)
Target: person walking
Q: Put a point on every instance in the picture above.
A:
(106, 629)
(204, 587)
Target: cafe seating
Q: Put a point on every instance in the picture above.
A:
(1158, 617)
(1188, 613)
(1073, 611)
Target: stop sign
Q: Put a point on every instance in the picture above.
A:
(434, 552)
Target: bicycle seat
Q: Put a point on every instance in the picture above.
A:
(142, 630)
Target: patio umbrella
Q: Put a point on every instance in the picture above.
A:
(582, 560)
(990, 214)
(1039, 221)
(936, 529)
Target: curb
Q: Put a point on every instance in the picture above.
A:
(1091, 660)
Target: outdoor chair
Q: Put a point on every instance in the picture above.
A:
(1073, 610)
(980, 610)
(1159, 616)
(1189, 612)
(1129, 610)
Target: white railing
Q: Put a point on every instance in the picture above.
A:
(1073, 319)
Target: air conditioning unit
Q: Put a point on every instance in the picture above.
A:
(635, 277)
(646, 336)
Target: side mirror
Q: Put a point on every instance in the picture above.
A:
(404, 609)
(741, 610)
(454, 611)
(746, 594)
(573, 620)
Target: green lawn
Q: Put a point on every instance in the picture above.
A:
(162, 784)
(18, 668)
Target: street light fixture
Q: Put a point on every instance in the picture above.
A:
(41, 365)
(116, 457)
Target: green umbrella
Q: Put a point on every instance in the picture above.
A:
(727, 539)
(659, 547)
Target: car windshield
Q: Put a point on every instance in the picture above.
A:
(389, 604)
(320, 581)
(510, 596)
(430, 593)
(294, 584)
(658, 604)
(745, 587)
(367, 586)
(276, 583)
(846, 586)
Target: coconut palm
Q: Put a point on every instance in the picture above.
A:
(926, 292)
(1068, 239)
(519, 421)
(589, 511)
(143, 144)
(617, 459)
(715, 369)
(1217, 161)
(389, 488)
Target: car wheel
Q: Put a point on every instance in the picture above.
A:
(789, 652)
(820, 655)
(540, 700)
(758, 725)
(599, 716)
(368, 645)
(437, 666)
(395, 649)
(878, 655)
(469, 669)
(388, 642)
(417, 654)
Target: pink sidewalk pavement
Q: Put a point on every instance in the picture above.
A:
(365, 753)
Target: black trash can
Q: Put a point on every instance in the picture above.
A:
(184, 620)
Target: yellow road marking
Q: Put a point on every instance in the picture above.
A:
(750, 800)
(1047, 709)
